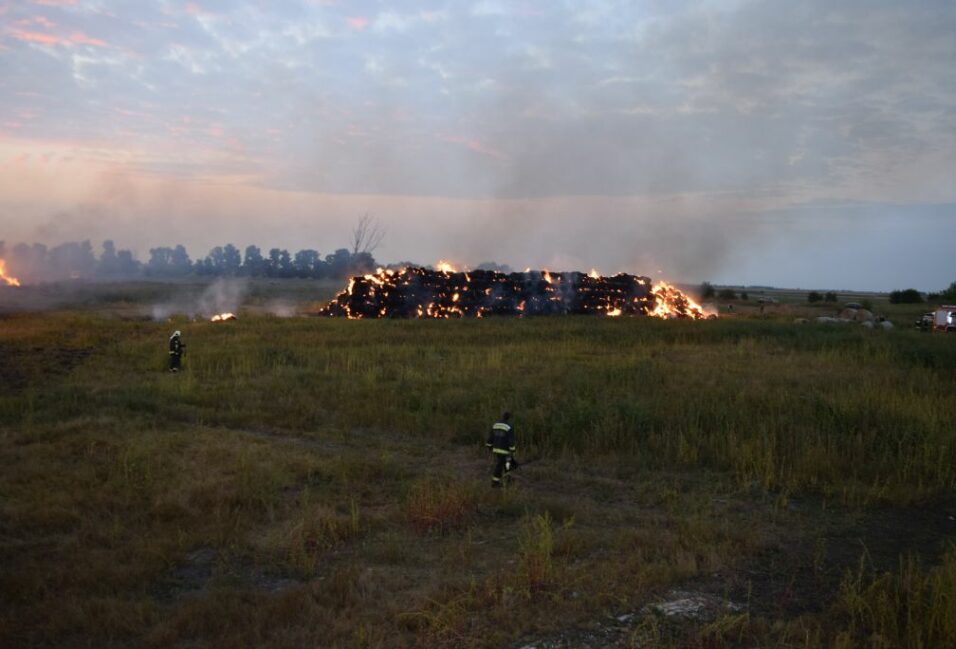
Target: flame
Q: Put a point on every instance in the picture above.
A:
(222, 317)
(671, 302)
(9, 280)
(444, 293)
(445, 266)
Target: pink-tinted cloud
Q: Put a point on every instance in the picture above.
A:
(475, 145)
(56, 3)
(358, 22)
(51, 39)
(195, 9)
(34, 37)
(80, 38)
(43, 21)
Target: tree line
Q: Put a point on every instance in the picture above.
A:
(78, 260)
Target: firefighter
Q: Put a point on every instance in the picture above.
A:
(501, 442)
(176, 349)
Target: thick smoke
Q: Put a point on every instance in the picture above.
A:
(225, 295)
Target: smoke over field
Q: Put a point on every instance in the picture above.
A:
(222, 296)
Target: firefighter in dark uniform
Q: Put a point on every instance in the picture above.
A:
(501, 442)
(176, 349)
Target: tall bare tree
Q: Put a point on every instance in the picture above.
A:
(366, 235)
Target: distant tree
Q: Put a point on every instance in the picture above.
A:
(866, 304)
(286, 269)
(830, 296)
(305, 263)
(253, 265)
(707, 291)
(813, 296)
(72, 259)
(231, 259)
(934, 297)
(29, 261)
(215, 262)
(950, 293)
(744, 296)
(362, 263)
(727, 294)
(107, 265)
(274, 266)
(906, 296)
(366, 235)
(159, 261)
(126, 264)
(339, 263)
(179, 260)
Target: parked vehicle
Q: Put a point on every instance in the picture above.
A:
(945, 319)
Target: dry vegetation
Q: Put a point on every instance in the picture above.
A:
(309, 482)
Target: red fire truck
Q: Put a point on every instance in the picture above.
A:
(944, 319)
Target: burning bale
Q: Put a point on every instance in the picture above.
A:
(445, 293)
(223, 317)
(5, 279)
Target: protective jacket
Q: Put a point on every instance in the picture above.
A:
(501, 439)
(176, 346)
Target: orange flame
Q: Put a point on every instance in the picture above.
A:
(223, 317)
(9, 280)
(445, 266)
(671, 302)
(594, 274)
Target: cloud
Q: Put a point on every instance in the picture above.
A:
(475, 145)
(496, 104)
(357, 22)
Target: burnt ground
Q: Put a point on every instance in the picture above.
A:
(19, 367)
(801, 574)
(794, 574)
(806, 548)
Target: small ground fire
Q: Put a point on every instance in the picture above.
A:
(447, 293)
(7, 279)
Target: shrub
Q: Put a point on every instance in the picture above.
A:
(906, 296)
(914, 608)
(727, 294)
(707, 290)
(830, 297)
(813, 296)
(536, 549)
(438, 506)
(948, 294)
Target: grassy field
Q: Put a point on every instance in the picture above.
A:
(310, 482)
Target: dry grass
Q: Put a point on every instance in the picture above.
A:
(323, 483)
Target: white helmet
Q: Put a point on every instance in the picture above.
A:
(176, 334)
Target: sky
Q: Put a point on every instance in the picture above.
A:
(800, 144)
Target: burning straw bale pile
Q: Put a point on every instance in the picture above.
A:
(425, 293)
